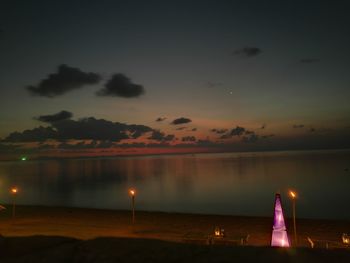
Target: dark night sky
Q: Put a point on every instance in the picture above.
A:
(278, 69)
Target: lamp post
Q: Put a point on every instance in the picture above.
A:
(132, 193)
(293, 196)
(14, 191)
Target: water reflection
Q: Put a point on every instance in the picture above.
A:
(204, 183)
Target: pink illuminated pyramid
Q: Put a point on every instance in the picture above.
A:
(279, 231)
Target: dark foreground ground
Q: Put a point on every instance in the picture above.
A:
(60, 249)
(54, 234)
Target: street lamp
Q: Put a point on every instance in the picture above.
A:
(132, 193)
(14, 191)
(293, 196)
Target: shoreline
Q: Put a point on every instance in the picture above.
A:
(59, 234)
(87, 223)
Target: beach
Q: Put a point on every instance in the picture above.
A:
(68, 227)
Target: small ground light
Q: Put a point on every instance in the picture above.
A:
(23, 158)
(293, 196)
(14, 191)
(132, 193)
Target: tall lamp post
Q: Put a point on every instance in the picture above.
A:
(293, 196)
(14, 191)
(132, 193)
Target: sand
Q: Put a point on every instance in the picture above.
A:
(68, 231)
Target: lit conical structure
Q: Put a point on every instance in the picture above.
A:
(279, 236)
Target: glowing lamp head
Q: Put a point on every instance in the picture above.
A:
(292, 194)
(217, 232)
(23, 158)
(14, 190)
(132, 192)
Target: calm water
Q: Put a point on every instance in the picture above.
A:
(235, 183)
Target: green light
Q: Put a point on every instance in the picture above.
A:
(24, 158)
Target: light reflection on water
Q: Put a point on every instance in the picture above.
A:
(235, 183)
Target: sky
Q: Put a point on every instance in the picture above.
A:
(144, 77)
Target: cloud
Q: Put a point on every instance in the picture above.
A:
(36, 134)
(263, 126)
(248, 52)
(66, 79)
(83, 129)
(219, 131)
(121, 86)
(159, 119)
(309, 60)
(160, 136)
(60, 116)
(194, 129)
(181, 120)
(189, 139)
(298, 126)
(238, 131)
(181, 128)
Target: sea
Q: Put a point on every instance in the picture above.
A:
(221, 183)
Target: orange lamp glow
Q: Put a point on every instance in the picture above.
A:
(132, 192)
(292, 194)
(14, 190)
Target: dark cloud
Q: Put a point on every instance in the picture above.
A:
(194, 129)
(137, 130)
(219, 131)
(238, 131)
(181, 128)
(160, 136)
(83, 129)
(159, 119)
(189, 139)
(298, 126)
(60, 116)
(309, 60)
(121, 86)
(248, 51)
(36, 134)
(181, 120)
(66, 79)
